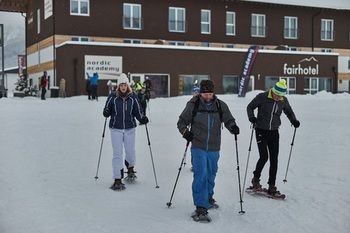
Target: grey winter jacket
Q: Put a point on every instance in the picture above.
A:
(206, 125)
(269, 111)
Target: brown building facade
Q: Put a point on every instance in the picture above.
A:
(176, 42)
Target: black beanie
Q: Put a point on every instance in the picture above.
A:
(207, 86)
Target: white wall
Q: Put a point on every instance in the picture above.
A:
(343, 86)
(343, 64)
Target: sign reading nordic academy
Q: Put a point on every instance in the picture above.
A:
(306, 66)
(247, 67)
(107, 67)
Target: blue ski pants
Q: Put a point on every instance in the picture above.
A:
(205, 166)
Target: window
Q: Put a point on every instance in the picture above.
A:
(38, 20)
(177, 19)
(326, 50)
(327, 29)
(80, 7)
(313, 85)
(80, 38)
(132, 41)
(349, 65)
(230, 23)
(290, 27)
(132, 16)
(231, 46)
(205, 44)
(258, 25)
(230, 84)
(177, 43)
(186, 82)
(205, 21)
(291, 48)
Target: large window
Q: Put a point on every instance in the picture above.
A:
(205, 21)
(132, 41)
(80, 7)
(177, 43)
(230, 84)
(177, 19)
(258, 27)
(313, 85)
(290, 27)
(186, 83)
(230, 23)
(327, 29)
(132, 16)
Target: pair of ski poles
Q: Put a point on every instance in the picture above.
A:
(250, 148)
(182, 164)
(150, 149)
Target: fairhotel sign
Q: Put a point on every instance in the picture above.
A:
(306, 66)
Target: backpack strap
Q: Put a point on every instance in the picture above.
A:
(196, 105)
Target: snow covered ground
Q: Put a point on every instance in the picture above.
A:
(49, 153)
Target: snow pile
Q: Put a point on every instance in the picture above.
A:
(49, 152)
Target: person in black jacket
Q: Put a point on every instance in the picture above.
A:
(270, 105)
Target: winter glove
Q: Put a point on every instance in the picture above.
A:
(144, 120)
(234, 129)
(296, 123)
(106, 112)
(252, 119)
(188, 135)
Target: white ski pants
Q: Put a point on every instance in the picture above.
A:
(122, 139)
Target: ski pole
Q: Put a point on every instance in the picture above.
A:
(99, 157)
(178, 174)
(150, 150)
(246, 167)
(290, 155)
(239, 179)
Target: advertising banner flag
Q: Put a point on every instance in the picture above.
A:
(247, 67)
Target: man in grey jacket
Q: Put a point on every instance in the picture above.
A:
(204, 114)
(270, 105)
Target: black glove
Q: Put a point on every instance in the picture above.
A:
(144, 120)
(296, 123)
(106, 112)
(234, 129)
(252, 119)
(188, 135)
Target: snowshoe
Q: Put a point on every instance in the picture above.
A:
(213, 204)
(201, 215)
(263, 192)
(131, 177)
(117, 185)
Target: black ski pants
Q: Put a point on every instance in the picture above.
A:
(268, 144)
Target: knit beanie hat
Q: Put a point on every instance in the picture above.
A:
(207, 86)
(280, 88)
(123, 79)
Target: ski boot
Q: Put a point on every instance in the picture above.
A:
(256, 184)
(212, 204)
(201, 215)
(272, 190)
(131, 177)
(117, 185)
